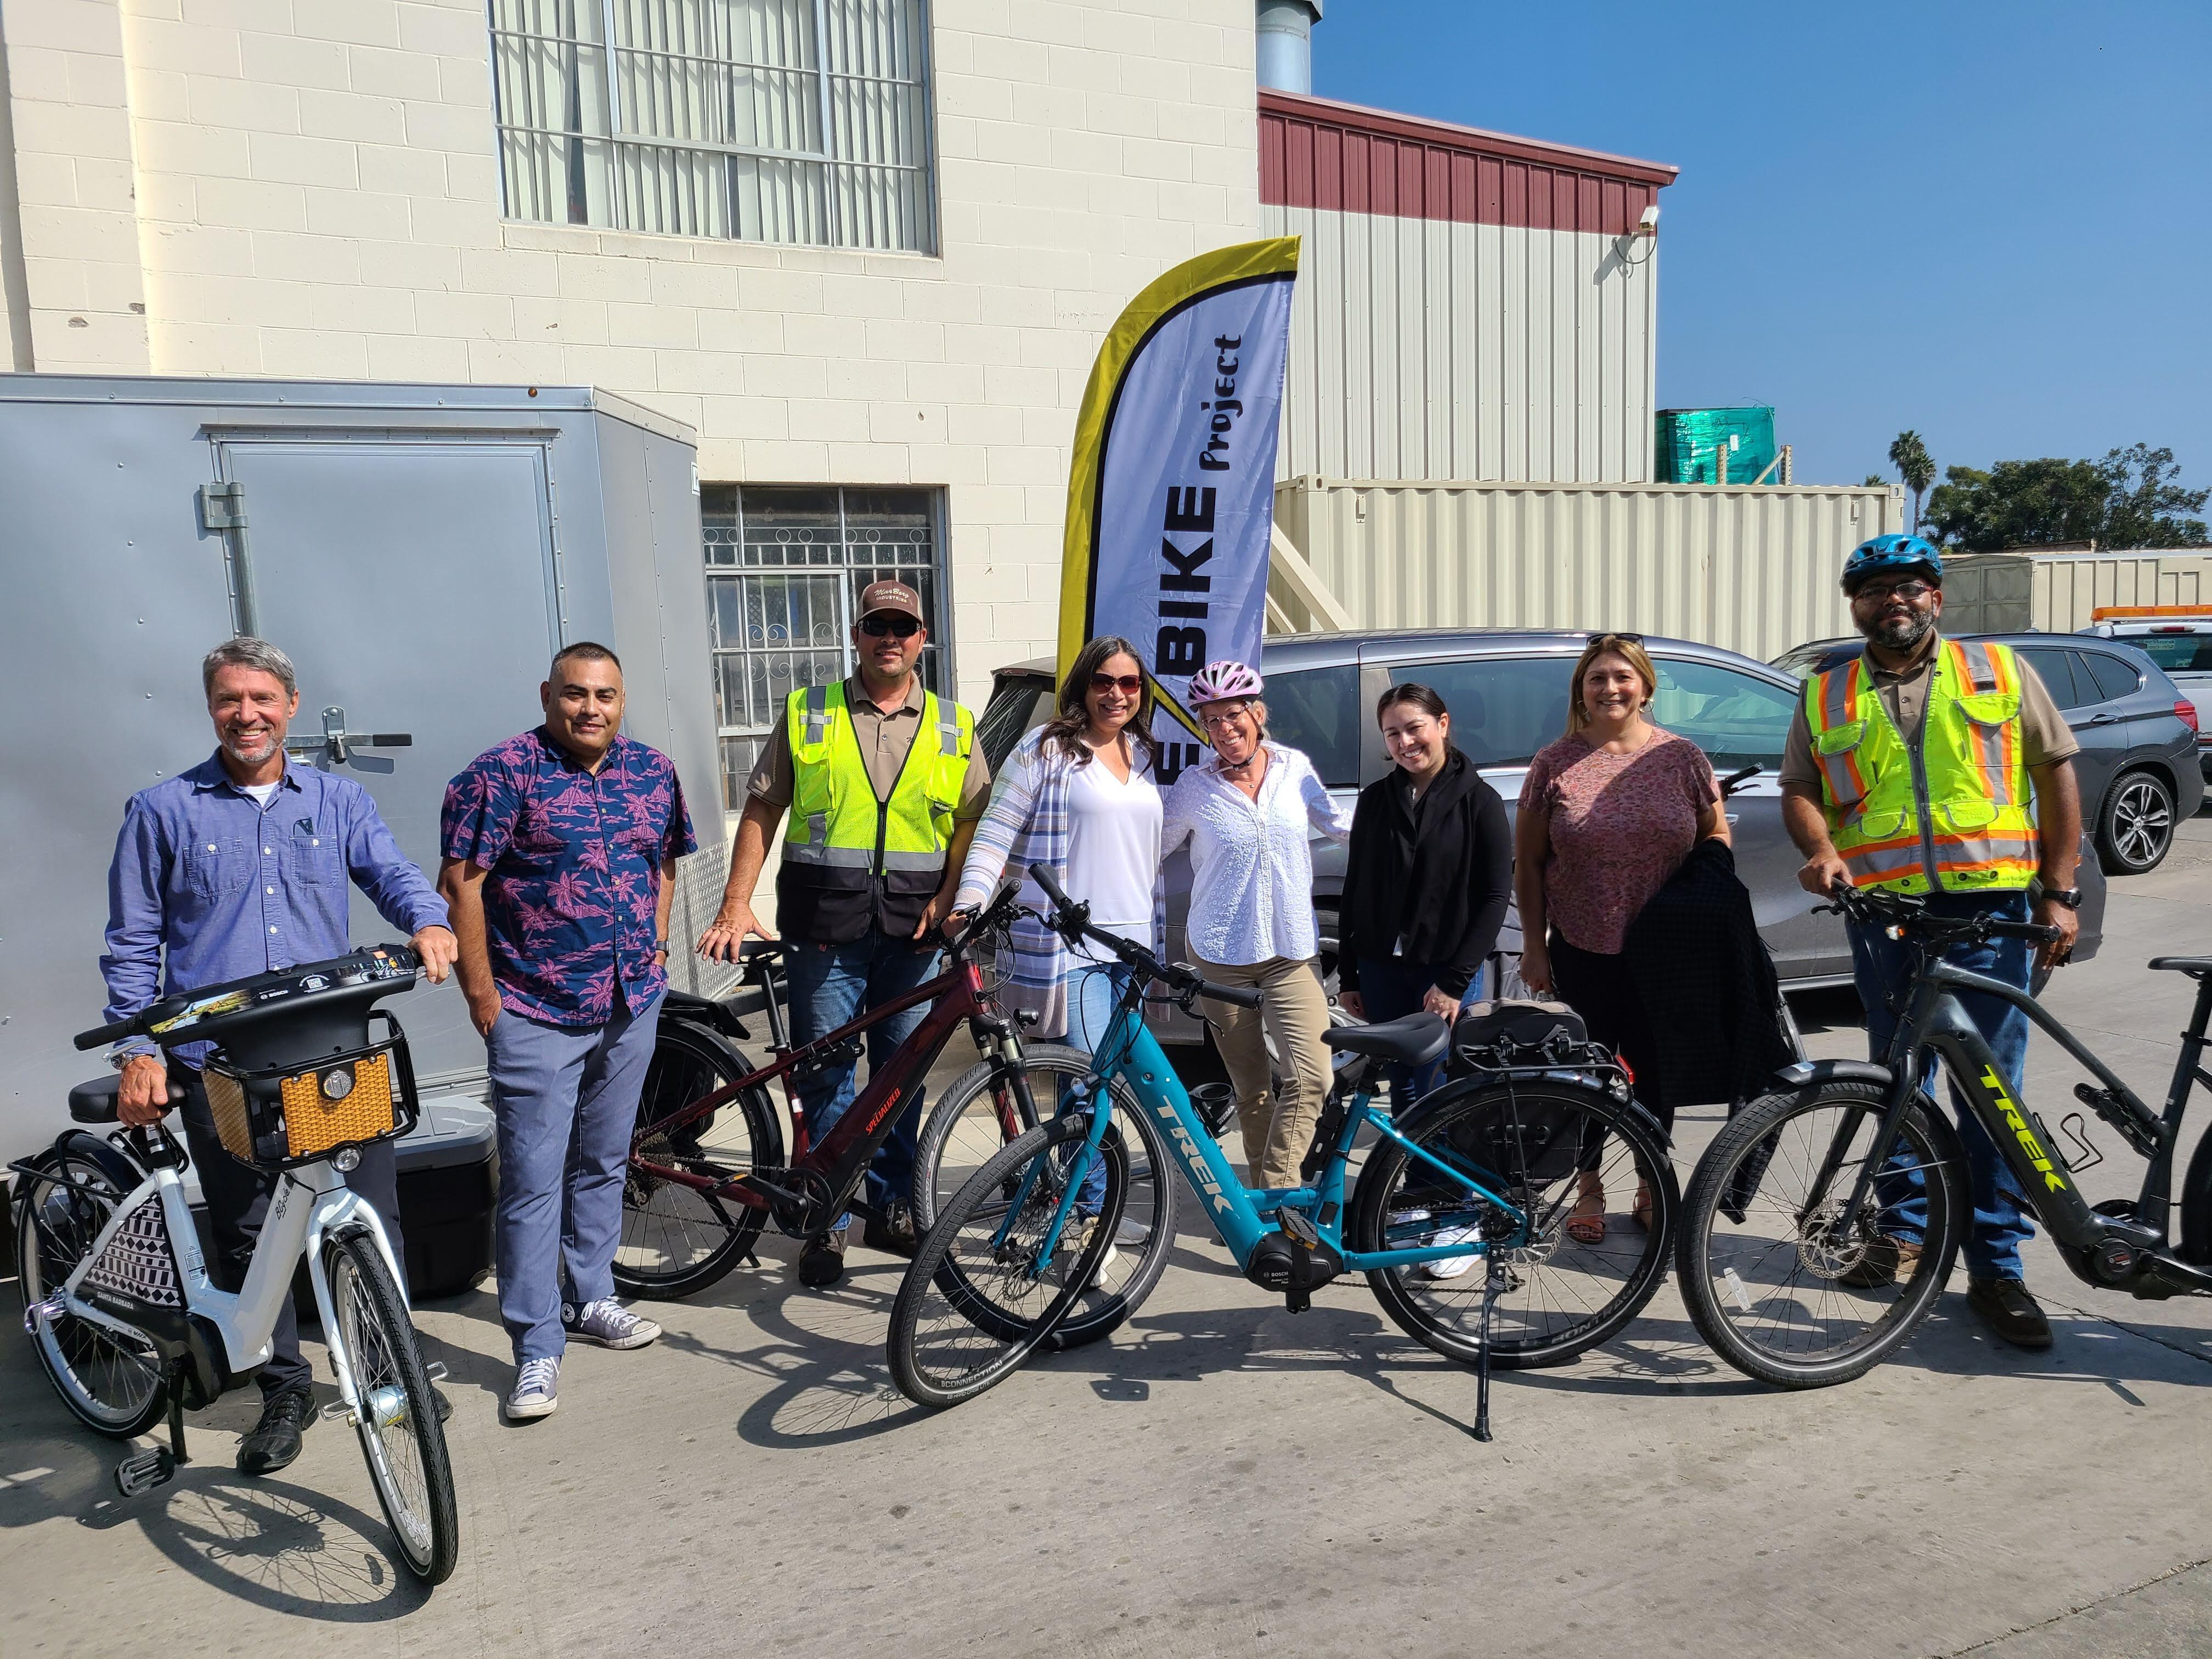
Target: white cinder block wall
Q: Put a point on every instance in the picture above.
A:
(310, 188)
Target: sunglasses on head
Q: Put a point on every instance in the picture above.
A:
(896, 627)
(1616, 639)
(1128, 684)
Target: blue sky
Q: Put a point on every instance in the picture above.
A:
(1991, 223)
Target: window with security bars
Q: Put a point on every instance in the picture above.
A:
(785, 569)
(758, 120)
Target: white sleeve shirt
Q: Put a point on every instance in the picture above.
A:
(1251, 889)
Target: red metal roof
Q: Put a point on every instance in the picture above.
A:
(1315, 152)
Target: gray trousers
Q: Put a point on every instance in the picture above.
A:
(566, 1101)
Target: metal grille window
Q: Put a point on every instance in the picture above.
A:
(760, 120)
(784, 570)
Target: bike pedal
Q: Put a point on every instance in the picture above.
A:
(436, 1371)
(337, 1411)
(141, 1472)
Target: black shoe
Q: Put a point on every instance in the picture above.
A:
(443, 1403)
(275, 1440)
(892, 1232)
(2007, 1309)
(822, 1261)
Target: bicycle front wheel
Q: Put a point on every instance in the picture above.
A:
(1537, 1144)
(111, 1381)
(1778, 1280)
(401, 1438)
(675, 1239)
(979, 1114)
(980, 1295)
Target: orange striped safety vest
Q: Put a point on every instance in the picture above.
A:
(1957, 816)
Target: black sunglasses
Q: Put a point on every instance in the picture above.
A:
(1624, 639)
(897, 627)
(1128, 684)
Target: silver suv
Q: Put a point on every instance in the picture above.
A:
(1508, 694)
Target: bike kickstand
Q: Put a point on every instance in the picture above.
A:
(1493, 1282)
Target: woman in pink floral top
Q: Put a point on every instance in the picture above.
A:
(1607, 814)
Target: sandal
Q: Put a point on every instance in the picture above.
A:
(1586, 1223)
(1640, 1212)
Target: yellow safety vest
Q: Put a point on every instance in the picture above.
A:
(850, 860)
(1952, 812)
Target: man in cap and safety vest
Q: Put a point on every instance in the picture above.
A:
(1940, 768)
(884, 783)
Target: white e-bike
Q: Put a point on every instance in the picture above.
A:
(117, 1299)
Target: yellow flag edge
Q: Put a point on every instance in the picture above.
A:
(1275, 255)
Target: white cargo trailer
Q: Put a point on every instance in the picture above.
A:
(420, 550)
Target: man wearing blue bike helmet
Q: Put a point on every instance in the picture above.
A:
(1941, 768)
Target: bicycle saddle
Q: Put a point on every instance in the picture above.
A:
(2194, 967)
(94, 1100)
(1413, 1041)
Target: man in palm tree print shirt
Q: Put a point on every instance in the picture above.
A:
(560, 848)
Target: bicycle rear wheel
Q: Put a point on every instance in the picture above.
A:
(1530, 1143)
(972, 1122)
(109, 1381)
(675, 1239)
(1796, 1293)
(979, 1298)
(401, 1438)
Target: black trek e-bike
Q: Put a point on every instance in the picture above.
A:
(1781, 1254)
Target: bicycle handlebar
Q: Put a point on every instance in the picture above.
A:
(1904, 914)
(1071, 921)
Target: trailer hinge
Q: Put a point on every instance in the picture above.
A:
(222, 505)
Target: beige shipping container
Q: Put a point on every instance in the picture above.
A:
(1752, 569)
(2068, 588)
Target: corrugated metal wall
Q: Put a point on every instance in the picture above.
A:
(2068, 589)
(1429, 349)
(1750, 569)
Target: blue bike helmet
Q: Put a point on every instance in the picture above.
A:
(1886, 553)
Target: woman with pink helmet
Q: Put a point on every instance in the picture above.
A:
(1246, 811)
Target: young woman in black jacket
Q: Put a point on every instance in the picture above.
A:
(1428, 876)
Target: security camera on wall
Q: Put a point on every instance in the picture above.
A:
(1648, 224)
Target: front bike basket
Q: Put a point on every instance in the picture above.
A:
(274, 1116)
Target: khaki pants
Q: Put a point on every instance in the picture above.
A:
(1277, 1129)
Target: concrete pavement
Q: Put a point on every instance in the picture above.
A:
(1221, 1478)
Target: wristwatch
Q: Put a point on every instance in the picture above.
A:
(2068, 896)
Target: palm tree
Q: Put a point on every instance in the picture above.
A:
(1915, 466)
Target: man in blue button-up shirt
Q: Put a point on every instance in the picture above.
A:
(241, 865)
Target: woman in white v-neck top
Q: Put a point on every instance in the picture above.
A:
(1077, 796)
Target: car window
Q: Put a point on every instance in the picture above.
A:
(1018, 702)
(1318, 710)
(2186, 654)
(2054, 667)
(1504, 709)
(2114, 677)
(1738, 720)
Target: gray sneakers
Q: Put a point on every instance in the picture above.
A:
(536, 1390)
(607, 1324)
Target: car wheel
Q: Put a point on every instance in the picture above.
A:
(2136, 829)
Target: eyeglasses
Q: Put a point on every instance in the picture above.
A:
(1128, 684)
(1227, 718)
(896, 627)
(1903, 590)
(1616, 639)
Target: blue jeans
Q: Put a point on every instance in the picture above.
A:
(1881, 965)
(565, 1101)
(831, 985)
(1390, 989)
(1093, 990)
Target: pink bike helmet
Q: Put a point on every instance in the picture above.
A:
(1220, 681)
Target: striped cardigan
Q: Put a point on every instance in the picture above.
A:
(1027, 823)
